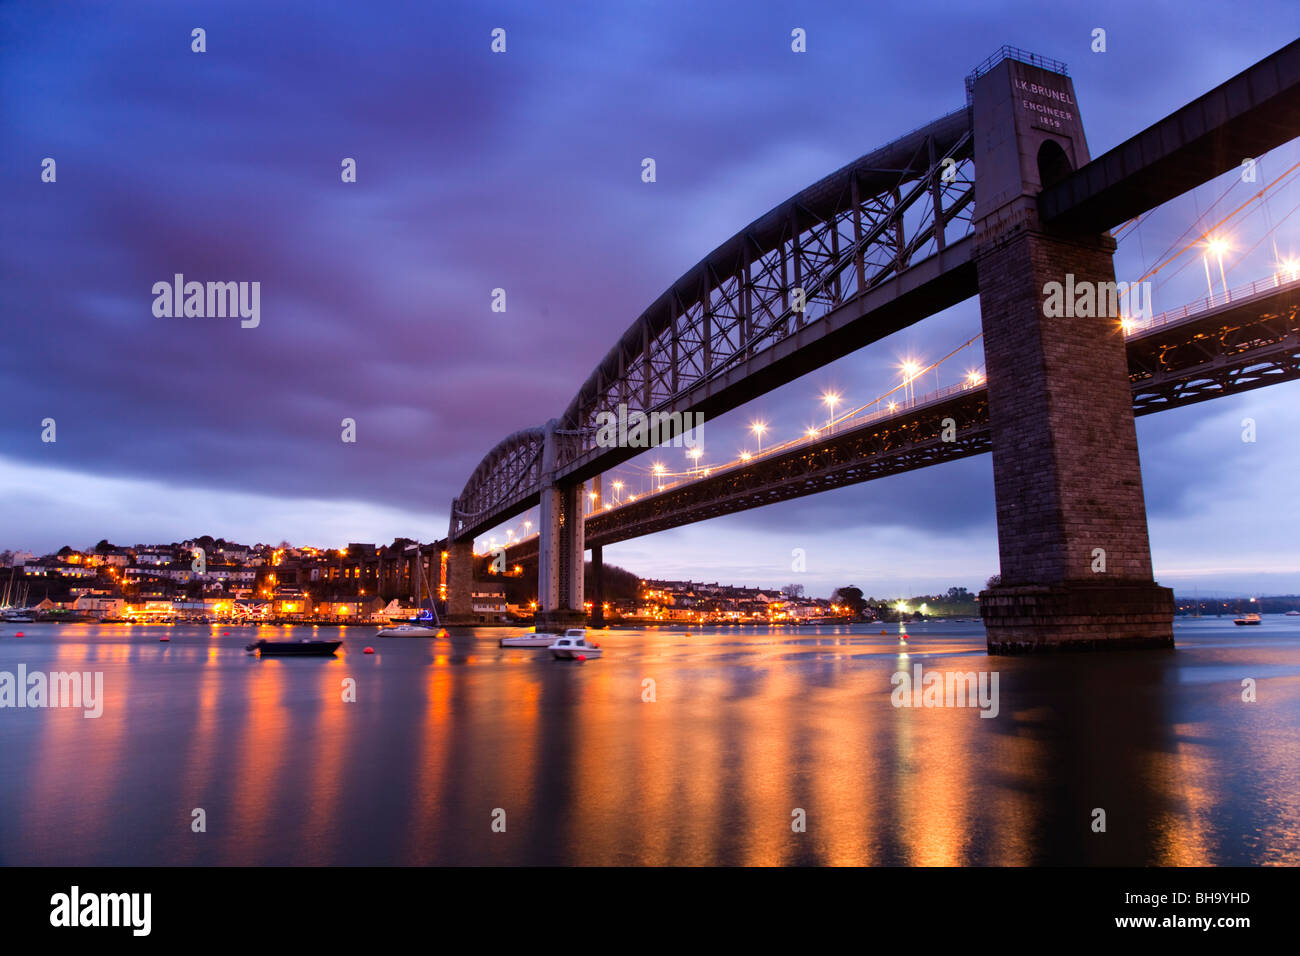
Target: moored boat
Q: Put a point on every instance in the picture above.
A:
(299, 648)
(530, 639)
(419, 625)
(573, 646)
(1251, 618)
(410, 630)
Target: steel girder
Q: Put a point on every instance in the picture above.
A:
(1229, 350)
(1232, 349)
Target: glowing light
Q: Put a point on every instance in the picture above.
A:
(745, 456)
(974, 377)
(658, 469)
(812, 433)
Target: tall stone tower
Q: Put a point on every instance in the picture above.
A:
(1072, 528)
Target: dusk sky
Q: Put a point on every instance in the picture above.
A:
(522, 171)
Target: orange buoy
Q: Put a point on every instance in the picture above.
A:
(442, 633)
(19, 634)
(368, 650)
(582, 657)
(882, 632)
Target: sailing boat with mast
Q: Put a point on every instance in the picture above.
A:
(15, 613)
(429, 614)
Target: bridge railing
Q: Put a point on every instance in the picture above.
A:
(848, 423)
(1236, 296)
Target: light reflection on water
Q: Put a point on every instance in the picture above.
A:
(748, 725)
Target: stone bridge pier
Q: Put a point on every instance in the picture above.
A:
(1072, 528)
(560, 546)
(460, 582)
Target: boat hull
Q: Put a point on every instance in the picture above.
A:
(529, 640)
(295, 648)
(566, 654)
(409, 632)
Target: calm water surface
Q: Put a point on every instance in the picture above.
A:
(748, 725)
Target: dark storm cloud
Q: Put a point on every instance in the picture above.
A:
(475, 171)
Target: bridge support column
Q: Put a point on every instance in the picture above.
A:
(1072, 529)
(560, 548)
(460, 582)
(597, 586)
(560, 555)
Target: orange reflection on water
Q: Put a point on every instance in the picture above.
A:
(322, 796)
(263, 735)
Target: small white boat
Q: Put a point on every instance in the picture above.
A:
(410, 630)
(573, 646)
(530, 639)
(1293, 613)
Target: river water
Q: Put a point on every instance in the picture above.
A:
(747, 746)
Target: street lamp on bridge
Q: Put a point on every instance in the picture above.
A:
(831, 399)
(910, 369)
(1216, 247)
(758, 428)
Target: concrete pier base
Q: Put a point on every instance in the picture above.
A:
(1077, 617)
(558, 620)
(460, 583)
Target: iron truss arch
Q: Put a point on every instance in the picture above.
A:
(511, 470)
(784, 283)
